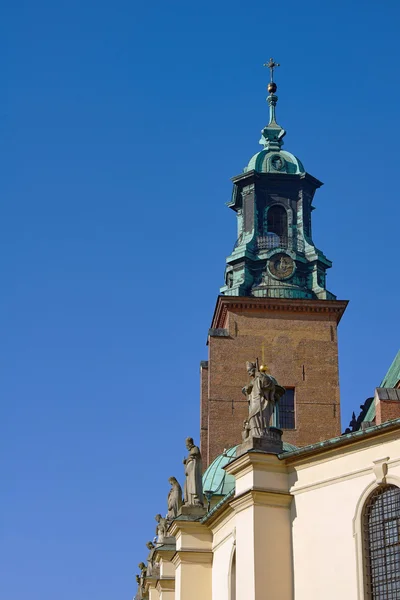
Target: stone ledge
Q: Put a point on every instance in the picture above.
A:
(218, 332)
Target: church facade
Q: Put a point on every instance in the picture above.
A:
(287, 508)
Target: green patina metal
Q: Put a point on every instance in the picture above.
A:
(392, 377)
(216, 481)
(342, 440)
(274, 255)
(390, 380)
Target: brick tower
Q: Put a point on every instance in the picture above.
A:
(274, 305)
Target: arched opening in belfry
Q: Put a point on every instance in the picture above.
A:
(277, 221)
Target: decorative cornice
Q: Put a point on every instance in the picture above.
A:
(220, 518)
(166, 584)
(253, 175)
(203, 557)
(334, 308)
(178, 527)
(259, 497)
(348, 442)
(164, 554)
(150, 582)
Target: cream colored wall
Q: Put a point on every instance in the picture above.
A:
(193, 540)
(328, 497)
(245, 575)
(263, 528)
(264, 479)
(166, 590)
(223, 547)
(314, 535)
(193, 582)
(167, 569)
(273, 556)
(154, 594)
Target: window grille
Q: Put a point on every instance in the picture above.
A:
(381, 529)
(286, 410)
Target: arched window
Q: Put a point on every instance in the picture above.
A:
(277, 220)
(381, 532)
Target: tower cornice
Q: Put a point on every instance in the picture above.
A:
(250, 176)
(334, 308)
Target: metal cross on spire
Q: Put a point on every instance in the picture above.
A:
(271, 66)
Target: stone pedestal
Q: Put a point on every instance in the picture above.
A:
(192, 510)
(270, 443)
(165, 587)
(166, 540)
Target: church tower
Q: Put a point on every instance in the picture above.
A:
(274, 304)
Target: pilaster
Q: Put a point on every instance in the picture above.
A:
(166, 588)
(151, 588)
(192, 560)
(263, 528)
(165, 585)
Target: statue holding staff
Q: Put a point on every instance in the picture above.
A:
(262, 392)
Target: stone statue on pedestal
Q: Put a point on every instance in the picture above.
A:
(152, 567)
(174, 499)
(161, 529)
(193, 489)
(263, 393)
(141, 581)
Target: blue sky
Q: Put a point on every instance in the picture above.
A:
(121, 126)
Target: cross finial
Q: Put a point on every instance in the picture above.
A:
(271, 66)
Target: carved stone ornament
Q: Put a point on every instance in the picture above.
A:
(277, 162)
(380, 469)
(281, 266)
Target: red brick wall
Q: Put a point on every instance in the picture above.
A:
(300, 349)
(387, 405)
(203, 408)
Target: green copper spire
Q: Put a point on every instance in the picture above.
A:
(272, 134)
(274, 255)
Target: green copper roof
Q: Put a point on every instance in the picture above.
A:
(273, 159)
(390, 380)
(275, 162)
(392, 377)
(217, 481)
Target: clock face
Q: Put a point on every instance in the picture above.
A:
(281, 266)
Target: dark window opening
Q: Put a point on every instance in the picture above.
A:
(277, 221)
(286, 410)
(381, 532)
